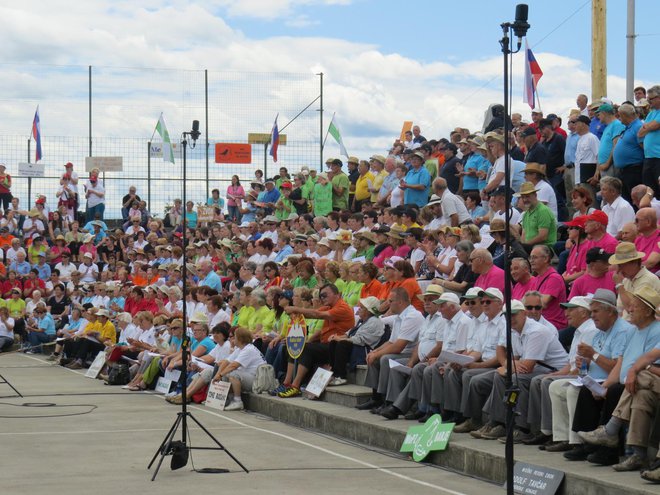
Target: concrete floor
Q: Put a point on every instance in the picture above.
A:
(107, 449)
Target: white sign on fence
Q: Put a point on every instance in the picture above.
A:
(156, 150)
(31, 169)
(217, 396)
(104, 163)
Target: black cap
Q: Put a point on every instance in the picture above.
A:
(597, 254)
(337, 162)
(584, 119)
(452, 147)
(546, 122)
(551, 117)
(529, 131)
(500, 191)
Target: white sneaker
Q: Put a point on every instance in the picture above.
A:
(235, 405)
(335, 382)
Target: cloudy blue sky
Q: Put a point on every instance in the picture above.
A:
(432, 61)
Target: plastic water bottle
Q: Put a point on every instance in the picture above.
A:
(584, 368)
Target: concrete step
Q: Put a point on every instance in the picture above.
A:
(465, 455)
(359, 376)
(346, 395)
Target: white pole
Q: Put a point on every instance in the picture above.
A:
(630, 51)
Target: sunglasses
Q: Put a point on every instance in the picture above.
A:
(487, 302)
(472, 303)
(533, 308)
(572, 121)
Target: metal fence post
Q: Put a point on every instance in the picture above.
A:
(90, 110)
(149, 174)
(321, 124)
(29, 178)
(206, 125)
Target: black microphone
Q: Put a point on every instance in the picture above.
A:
(520, 26)
(194, 134)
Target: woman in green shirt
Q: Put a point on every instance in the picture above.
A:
(16, 307)
(243, 310)
(306, 277)
(322, 196)
(261, 321)
(353, 288)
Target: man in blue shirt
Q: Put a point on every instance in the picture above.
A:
(42, 331)
(628, 154)
(650, 132)
(208, 277)
(644, 339)
(269, 198)
(417, 182)
(613, 129)
(19, 265)
(42, 267)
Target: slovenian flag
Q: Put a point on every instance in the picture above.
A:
(533, 73)
(274, 140)
(36, 133)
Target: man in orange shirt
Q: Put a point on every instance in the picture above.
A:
(5, 238)
(338, 318)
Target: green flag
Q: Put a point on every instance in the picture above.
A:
(334, 132)
(168, 152)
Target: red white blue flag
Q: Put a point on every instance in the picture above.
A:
(533, 73)
(36, 133)
(274, 140)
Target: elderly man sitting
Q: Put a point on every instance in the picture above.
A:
(536, 350)
(632, 406)
(406, 322)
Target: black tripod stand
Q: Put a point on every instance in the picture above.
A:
(179, 450)
(4, 381)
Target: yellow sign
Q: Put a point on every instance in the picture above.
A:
(264, 138)
(407, 126)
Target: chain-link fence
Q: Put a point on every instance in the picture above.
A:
(90, 111)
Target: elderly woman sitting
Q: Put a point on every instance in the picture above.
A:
(362, 338)
(240, 368)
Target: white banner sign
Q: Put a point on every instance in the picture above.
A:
(217, 396)
(104, 163)
(163, 385)
(156, 150)
(31, 169)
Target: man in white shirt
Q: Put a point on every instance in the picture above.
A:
(535, 173)
(428, 347)
(454, 211)
(454, 339)
(619, 211)
(406, 322)
(65, 267)
(586, 154)
(536, 350)
(498, 206)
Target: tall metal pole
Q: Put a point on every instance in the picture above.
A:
(29, 178)
(321, 125)
(630, 52)
(90, 110)
(149, 175)
(508, 451)
(598, 49)
(206, 120)
(265, 160)
(184, 273)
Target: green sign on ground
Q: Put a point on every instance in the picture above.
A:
(432, 435)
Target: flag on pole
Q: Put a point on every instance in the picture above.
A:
(333, 130)
(36, 133)
(161, 129)
(533, 73)
(274, 140)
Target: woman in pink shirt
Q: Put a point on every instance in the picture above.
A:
(577, 237)
(235, 196)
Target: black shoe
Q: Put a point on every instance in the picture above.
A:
(556, 447)
(426, 417)
(537, 439)
(604, 457)
(370, 404)
(378, 409)
(577, 453)
(391, 412)
(414, 415)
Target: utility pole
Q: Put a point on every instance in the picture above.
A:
(598, 49)
(630, 52)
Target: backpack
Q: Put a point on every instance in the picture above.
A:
(265, 380)
(119, 374)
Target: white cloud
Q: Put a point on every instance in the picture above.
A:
(270, 9)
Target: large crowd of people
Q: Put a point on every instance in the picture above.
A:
(395, 262)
